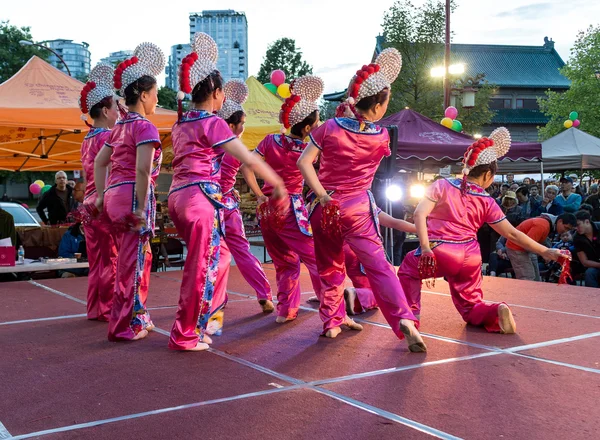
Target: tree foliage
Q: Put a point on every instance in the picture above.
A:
(284, 55)
(13, 56)
(418, 33)
(167, 98)
(584, 94)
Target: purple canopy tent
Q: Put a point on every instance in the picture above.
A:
(424, 145)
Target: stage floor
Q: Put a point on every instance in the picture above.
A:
(61, 378)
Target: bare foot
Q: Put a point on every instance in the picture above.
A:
(333, 332)
(266, 305)
(141, 335)
(353, 325)
(412, 335)
(282, 319)
(506, 320)
(200, 346)
(350, 299)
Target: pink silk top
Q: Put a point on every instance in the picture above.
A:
(457, 217)
(91, 146)
(282, 157)
(197, 140)
(129, 133)
(349, 157)
(229, 169)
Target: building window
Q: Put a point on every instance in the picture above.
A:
(527, 104)
(499, 103)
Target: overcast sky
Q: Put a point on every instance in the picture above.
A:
(335, 38)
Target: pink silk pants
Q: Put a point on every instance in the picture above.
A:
(102, 258)
(365, 300)
(360, 233)
(249, 266)
(461, 265)
(287, 248)
(129, 314)
(204, 284)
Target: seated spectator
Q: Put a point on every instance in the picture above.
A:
(534, 193)
(548, 203)
(510, 206)
(7, 227)
(587, 247)
(526, 181)
(525, 264)
(587, 208)
(503, 190)
(513, 187)
(594, 200)
(529, 207)
(554, 267)
(72, 242)
(567, 198)
(499, 262)
(58, 200)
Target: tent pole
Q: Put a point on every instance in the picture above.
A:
(542, 173)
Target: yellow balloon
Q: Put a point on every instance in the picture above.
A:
(447, 122)
(284, 90)
(40, 183)
(568, 123)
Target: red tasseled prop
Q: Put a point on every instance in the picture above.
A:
(85, 214)
(565, 272)
(271, 214)
(129, 223)
(330, 219)
(427, 268)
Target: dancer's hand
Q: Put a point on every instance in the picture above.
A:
(324, 200)
(99, 203)
(141, 219)
(262, 199)
(554, 255)
(280, 192)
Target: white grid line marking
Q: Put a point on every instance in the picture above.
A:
(4, 434)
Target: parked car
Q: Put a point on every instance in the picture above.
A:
(20, 214)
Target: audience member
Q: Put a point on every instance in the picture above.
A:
(499, 261)
(527, 181)
(587, 247)
(529, 207)
(514, 187)
(548, 203)
(503, 190)
(594, 200)
(567, 198)
(510, 206)
(534, 193)
(73, 242)
(58, 200)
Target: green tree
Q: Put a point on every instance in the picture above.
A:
(13, 56)
(583, 96)
(167, 98)
(284, 55)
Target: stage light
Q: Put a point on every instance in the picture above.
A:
(393, 193)
(417, 191)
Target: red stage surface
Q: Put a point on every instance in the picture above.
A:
(61, 378)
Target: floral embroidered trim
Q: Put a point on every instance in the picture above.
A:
(353, 125)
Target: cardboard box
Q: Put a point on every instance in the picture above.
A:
(7, 255)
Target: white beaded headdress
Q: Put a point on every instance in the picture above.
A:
(372, 79)
(197, 65)
(306, 92)
(236, 93)
(98, 87)
(147, 60)
(487, 150)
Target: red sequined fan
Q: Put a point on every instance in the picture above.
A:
(427, 268)
(271, 214)
(330, 219)
(565, 272)
(130, 222)
(85, 214)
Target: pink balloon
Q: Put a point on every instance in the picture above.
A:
(451, 112)
(35, 188)
(277, 77)
(576, 123)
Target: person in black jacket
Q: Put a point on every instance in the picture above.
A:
(58, 200)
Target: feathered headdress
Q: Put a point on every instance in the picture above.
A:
(306, 91)
(98, 87)
(147, 60)
(236, 93)
(487, 150)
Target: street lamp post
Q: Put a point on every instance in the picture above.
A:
(30, 43)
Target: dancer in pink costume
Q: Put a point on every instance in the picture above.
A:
(134, 154)
(293, 242)
(200, 140)
(351, 149)
(359, 298)
(97, 100)
(236, 93)
(447, 221)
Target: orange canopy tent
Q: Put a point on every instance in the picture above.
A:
(40, 125)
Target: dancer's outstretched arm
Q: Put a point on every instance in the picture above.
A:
(387, 221)
(250, 179)
(424, 208)
(507, 230)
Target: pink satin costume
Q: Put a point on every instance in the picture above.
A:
(349, 160)
(101, 249)
(196, 208)
(452, 228)
(294, 243)
(129, 314)
(235, 236)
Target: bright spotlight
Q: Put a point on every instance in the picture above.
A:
(437, 72)
(417, 191)
(456, 69)
(477, 136)
(393, 193)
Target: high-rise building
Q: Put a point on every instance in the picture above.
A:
(76, 56)
(115, 58)
(230, 30)
(178, 52)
